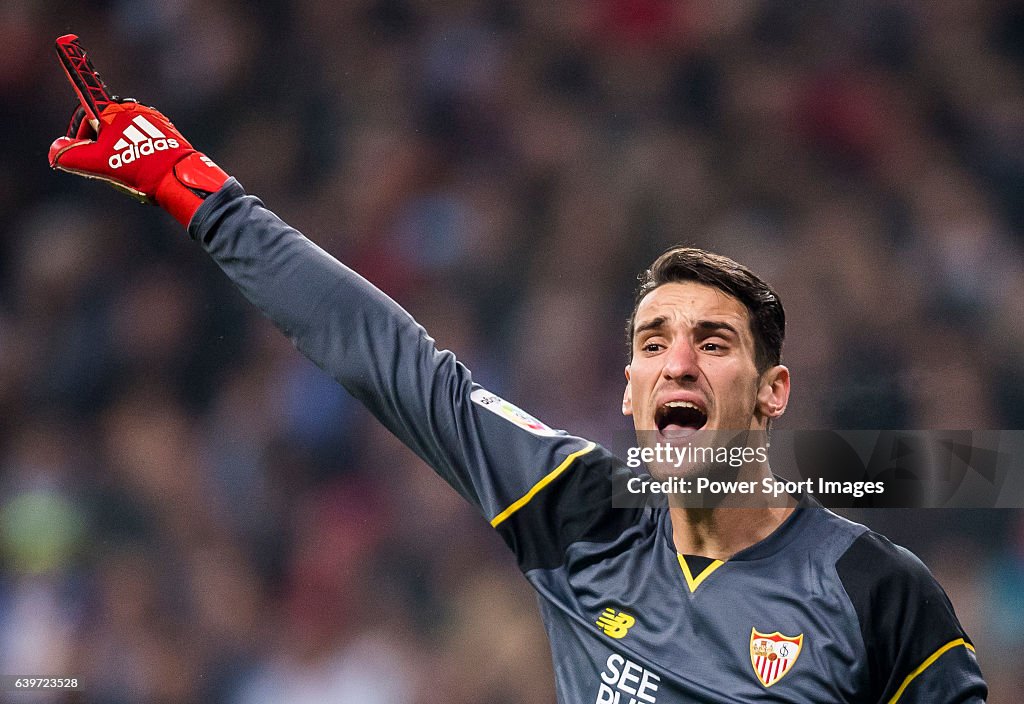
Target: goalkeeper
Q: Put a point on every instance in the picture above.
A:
(787, 603)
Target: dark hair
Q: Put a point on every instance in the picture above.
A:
(767, 317)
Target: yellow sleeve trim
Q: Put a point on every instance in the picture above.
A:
(551, 476)
(928, 663)
(694, 582)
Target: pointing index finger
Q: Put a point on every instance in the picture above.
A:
(92, 92)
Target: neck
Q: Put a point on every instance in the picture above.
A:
(733, 524)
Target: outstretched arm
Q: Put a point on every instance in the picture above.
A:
(363, 339)
(525, 477)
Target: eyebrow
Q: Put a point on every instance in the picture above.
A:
(716, 326)
(652, 324)
(703, 325)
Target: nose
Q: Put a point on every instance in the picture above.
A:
(681, 362)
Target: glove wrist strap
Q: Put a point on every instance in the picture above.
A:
(184, 188)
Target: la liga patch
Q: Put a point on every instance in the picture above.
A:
(510, 412)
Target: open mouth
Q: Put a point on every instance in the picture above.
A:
(680, 419)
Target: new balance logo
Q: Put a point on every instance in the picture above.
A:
(145, 138)
(614, 624)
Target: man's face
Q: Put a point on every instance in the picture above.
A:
(693, 372)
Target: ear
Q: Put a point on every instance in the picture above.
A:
(773, 392)
(627, 396)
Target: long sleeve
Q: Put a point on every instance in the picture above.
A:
(497, 456)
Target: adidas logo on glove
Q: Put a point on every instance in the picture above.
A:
(145, 139)
(132, 147)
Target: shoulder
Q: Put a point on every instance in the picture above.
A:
(873, 562)
(586, 498)
(893, 591)
(865, 561)
(906, 620)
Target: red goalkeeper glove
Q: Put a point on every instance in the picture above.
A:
(140, 152)
(130, 146)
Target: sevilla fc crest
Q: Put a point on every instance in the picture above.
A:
(773, 654)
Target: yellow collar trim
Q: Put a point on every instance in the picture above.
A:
(694, 582)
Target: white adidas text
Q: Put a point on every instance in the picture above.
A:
(137, 151)
(145, 138)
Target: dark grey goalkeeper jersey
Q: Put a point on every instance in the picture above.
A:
(823, 610)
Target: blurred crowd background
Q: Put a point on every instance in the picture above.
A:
(192, 512)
